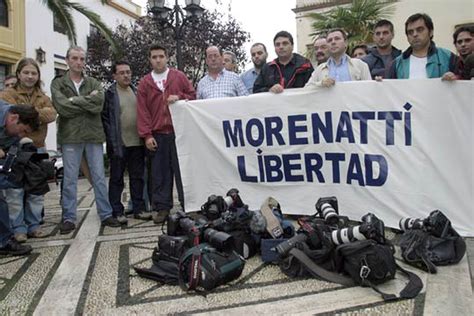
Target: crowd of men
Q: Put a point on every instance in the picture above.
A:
(136, 122)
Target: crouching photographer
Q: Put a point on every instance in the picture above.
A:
(16, 122)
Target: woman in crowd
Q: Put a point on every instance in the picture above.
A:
(25, 209)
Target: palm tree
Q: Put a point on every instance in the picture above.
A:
(62, 11)
(357, 19)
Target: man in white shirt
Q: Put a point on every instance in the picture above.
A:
(422, 59)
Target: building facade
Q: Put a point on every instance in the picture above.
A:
(35, 34)
(446, 15)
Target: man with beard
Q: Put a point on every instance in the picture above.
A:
(259, 55)
(380, 57)
(321, 50)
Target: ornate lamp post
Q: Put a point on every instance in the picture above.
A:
(175, 19)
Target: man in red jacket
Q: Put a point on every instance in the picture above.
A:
(156, 92)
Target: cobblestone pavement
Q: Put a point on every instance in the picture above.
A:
(90, 271)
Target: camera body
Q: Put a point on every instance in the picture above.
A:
(217, 204)
(371, 228)
(436, 223)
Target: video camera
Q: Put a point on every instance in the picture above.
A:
(180, 224)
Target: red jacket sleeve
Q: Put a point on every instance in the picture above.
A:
(143, 112)
(188, 92)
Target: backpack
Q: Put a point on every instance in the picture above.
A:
(202, 267)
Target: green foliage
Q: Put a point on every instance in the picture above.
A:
(62, 11)
(357, 19)
(134, 40)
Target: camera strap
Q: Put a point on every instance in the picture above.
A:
(318, 271)
(410, 290)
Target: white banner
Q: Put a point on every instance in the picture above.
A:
(397, 148)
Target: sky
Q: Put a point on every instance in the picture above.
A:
(261, 18)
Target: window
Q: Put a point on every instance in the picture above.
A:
(58, 26)
(3, 13)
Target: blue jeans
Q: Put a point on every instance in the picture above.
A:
(5, 229)
(72, 155)
(25, 210)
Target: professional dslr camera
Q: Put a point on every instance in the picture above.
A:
(436, 223)
(180, 224)
(216, 204)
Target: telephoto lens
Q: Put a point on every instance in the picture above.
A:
(410, 223)
(220, 240)
(346, 235)
(327, 209)
(285, 247)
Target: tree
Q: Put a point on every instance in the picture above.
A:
(210, 29)
(357, 19)
(62, 9)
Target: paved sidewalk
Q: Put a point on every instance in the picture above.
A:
(91, 272)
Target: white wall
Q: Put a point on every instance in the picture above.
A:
(39, 33)
(445, 15)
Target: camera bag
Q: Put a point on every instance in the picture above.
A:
(202, 267)
(171, 248)
(162, 271)
(165, 257)
(424, 250)
(244, 244)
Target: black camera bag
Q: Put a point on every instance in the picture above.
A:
(424, 250)
(244, 244)
(366, 261)
(202, 267)
(171, 248)
(162, 271)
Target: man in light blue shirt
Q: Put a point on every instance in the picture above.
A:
(219, 83)
(259, 55)
(339, 67)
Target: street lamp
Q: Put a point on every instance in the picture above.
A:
(175, 19)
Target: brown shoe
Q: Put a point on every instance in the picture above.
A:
(37, 234)
(160, 216)
(21, 238)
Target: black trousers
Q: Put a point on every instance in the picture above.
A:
(165, 168)
(133, 161)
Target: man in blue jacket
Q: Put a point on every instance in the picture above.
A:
(380, 57)
(422, 59)
(125, 148)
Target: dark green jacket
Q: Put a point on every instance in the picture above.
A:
(79, 116)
